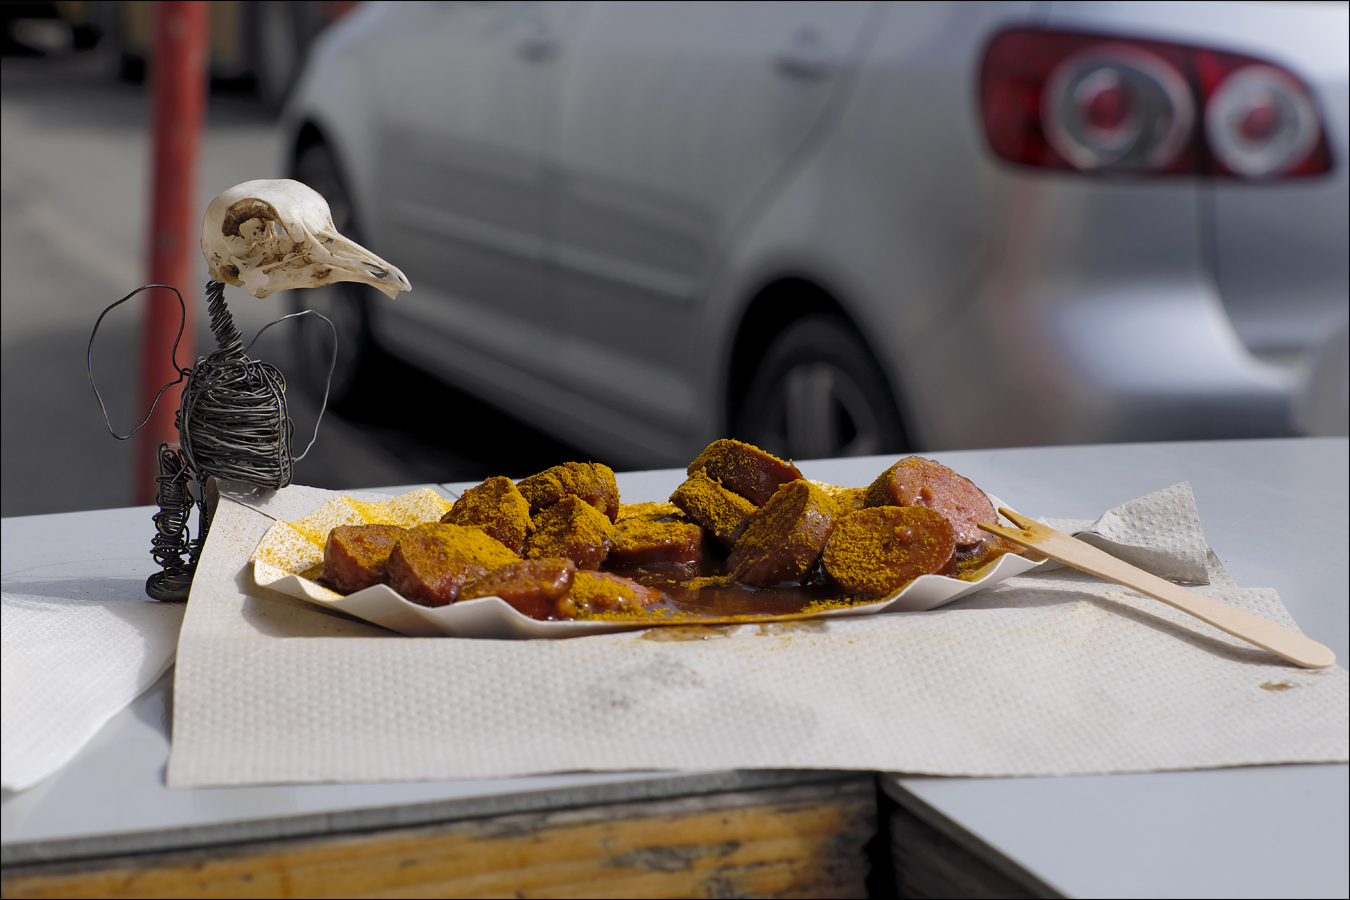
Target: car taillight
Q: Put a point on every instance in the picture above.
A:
(1099, 104)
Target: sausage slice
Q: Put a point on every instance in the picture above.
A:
(592, 482)
(724, 513)
(574, 529)
(356, 555)
(604, 592)
(879, 550)
(644, 540)
(431, 563)
(497, 507)
(745, 469)
(786, 537)
(915, 481)
(628, 510)
(532, 586)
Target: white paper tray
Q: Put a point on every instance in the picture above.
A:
(280, 556)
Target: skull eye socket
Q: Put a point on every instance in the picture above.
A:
(252, 229)
(258, 231)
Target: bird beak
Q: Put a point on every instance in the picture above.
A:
(349, 261)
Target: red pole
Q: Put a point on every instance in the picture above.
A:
(178, 101)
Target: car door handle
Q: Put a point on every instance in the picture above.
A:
(808, 56)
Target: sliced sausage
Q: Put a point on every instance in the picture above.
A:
(431, 563)
(724, 513)
(496, 506)
(356, 555)
(656, 538)
(594, 592)
(592, 482)
(786, 537)
(532, 586)
(571, 528)
(846, 500)
(915, 481)
(745, 469)
(628, 510)
(877, 551)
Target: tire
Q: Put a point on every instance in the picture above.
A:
(818, 392)
(346, 304)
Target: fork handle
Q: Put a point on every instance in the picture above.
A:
(1286, 644)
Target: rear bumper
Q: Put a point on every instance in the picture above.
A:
(1141, 362)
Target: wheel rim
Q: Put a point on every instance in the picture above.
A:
(815, 411)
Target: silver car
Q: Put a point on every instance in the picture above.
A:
(845, 227)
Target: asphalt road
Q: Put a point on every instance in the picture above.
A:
(74, 160)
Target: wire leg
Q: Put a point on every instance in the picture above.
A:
(171, 541)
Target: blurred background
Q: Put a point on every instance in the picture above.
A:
(74, 156)
(828, 228)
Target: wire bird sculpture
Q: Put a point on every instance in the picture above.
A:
(232, 420)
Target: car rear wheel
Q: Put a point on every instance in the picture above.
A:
(817, 393)
(346, 304)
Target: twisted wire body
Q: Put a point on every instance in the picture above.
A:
(233, 423)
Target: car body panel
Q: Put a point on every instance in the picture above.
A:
(638, 223)
(461, 169)
(634, 225)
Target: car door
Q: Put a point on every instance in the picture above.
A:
(673, 119)
(464, 97)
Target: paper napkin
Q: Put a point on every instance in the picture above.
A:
(1047, 673)
(69, 665)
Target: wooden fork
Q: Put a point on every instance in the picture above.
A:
(1043, 539)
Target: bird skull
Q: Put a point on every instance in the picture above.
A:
(273, 235)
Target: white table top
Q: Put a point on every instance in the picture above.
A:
(1274, 512)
